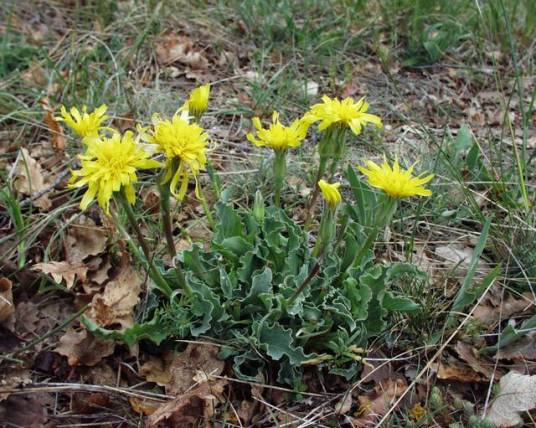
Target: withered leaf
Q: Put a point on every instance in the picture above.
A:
(517, 395)
(28, 179)
(190, 407)
(114, 307)
(84, 239)
(375, 405)
(63, 271)
(82, 348)
(7, 309)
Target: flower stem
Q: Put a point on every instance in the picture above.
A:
(165, 195)
(166, 218)
(156, 276)
(280, 170)
(207, 211)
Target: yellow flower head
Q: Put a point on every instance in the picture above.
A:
(184, 145)
(278, 136)
(346, 112)
(110, 166)
(330, 192)
(396, 182)
(86, 125)
(197, 103)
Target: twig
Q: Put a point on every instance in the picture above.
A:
(59, 387)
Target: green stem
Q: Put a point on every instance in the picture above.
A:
(156, 276)
(387, 210)
(316, 190)
(207, 211)
(280, 170)
(165, 194)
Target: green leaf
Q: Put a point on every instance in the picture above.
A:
(365, 199)
(466, 295)
(261, 284)
(278, 342)
(511, 335)
(229, 225)
(359, 298)
(400, 304)
(155, 330)
(463, 141)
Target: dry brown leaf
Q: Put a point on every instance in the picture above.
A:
(143, 406)
(517, 395)
(478, 363)
(114, 307)
(82, 348)
(63, 271)
(376, 404)
(56, 130)
(84, 239)
(13, 377)
(27, 410)
(488, 313)
(191, 407)
(28, 179)
(171, 48)
(523, 349)
(7, 309)
(457, 371)
(458, 257)
(157, 370)
(178, 373)
(197, 363)
(345, 404)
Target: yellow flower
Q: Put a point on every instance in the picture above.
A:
(197, 103)
(184, 145)
(110, 166)
(330, 192)
(278, 136)
(346, 112)
(86, 125)
(396, 182)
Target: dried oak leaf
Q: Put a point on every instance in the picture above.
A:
(114, 307)
(63, 271)
(7, 309)
(171, 48)
(523, 349)
(375, 405)
(27, 410)
(454, 370)
(28, 179)
(83, 239)
(13, 377)
(190, 407)
(82, 348)
(197, 363)
(517, 395)
(56, 130)
(179, 373)
(487, 313)
(478, 363)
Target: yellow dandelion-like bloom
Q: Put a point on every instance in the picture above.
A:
(395, 181)
(330, 192)
(110, 166)
(278, 136)
(346, 112)
(197, 103)
(184, 145)
(86, 125)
